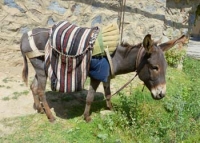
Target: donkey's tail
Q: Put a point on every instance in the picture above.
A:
(25, 70)
(25, 66)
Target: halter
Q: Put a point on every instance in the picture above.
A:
(138, 67)
(139, 57)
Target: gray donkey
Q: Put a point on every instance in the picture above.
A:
(147, 58)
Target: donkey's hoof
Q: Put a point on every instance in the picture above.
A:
(88, 119)
(109, 108)
(52, 120)
(41, 111)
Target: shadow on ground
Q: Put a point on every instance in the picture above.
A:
(70, 105)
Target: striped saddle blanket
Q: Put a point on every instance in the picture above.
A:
(67, 56)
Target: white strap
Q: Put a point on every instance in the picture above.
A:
(110, 62)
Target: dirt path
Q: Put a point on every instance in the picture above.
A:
(15, 98)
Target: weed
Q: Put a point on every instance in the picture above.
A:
(18, 94)
(21, 84)
(2, 86)
(175, 56)
(8, 87)
(25, 92)
(6, 98)
(7, 79)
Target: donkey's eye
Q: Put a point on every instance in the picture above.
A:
(154, 67)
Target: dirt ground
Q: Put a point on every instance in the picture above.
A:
(12, 101)
(16, 98)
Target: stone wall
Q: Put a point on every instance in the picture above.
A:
(179, 17)
(161, 18)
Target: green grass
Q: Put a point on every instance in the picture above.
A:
(5, 98)
(18, 94)
(2, 86)
(136, 117)
(7, 79)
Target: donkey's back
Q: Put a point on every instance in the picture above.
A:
(37, 37)
(40, 36)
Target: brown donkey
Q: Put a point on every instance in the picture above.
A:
(147, 58)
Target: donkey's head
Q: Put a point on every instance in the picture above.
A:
(152, 67)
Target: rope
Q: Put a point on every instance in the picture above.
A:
(125, 85)
(83, 100)
(122, 13)
(72, 56)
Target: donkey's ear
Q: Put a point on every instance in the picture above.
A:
(147, 43)
(166, 46)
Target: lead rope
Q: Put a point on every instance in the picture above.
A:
(125, 85)
(138, 67)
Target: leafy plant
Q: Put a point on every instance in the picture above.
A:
(175, 56)
(5, 98)
(18, 94)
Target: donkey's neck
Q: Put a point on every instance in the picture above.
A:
(124, 61)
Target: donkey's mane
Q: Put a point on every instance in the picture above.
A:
(129, 46)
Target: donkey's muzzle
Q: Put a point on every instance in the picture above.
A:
(159, 91)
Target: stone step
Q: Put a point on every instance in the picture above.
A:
(193, 49)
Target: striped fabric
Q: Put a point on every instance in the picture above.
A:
(68, 54)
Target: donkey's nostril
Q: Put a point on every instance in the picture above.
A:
(158, 92)
(161, 95)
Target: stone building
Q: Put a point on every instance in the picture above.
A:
(161, 18)
(196, 30)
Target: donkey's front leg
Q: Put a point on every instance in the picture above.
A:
(106, 86)
(90, 97)
(48, 112)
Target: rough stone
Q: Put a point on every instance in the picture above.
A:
(151, 8)
(50, 21)
(11, 3)
(76, 9)
(160, 18)
(24, 29)
(56, 7)
(164, 39)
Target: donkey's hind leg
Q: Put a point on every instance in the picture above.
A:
(38, 65)
(34, 89)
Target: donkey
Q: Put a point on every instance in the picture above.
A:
(147, 58)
